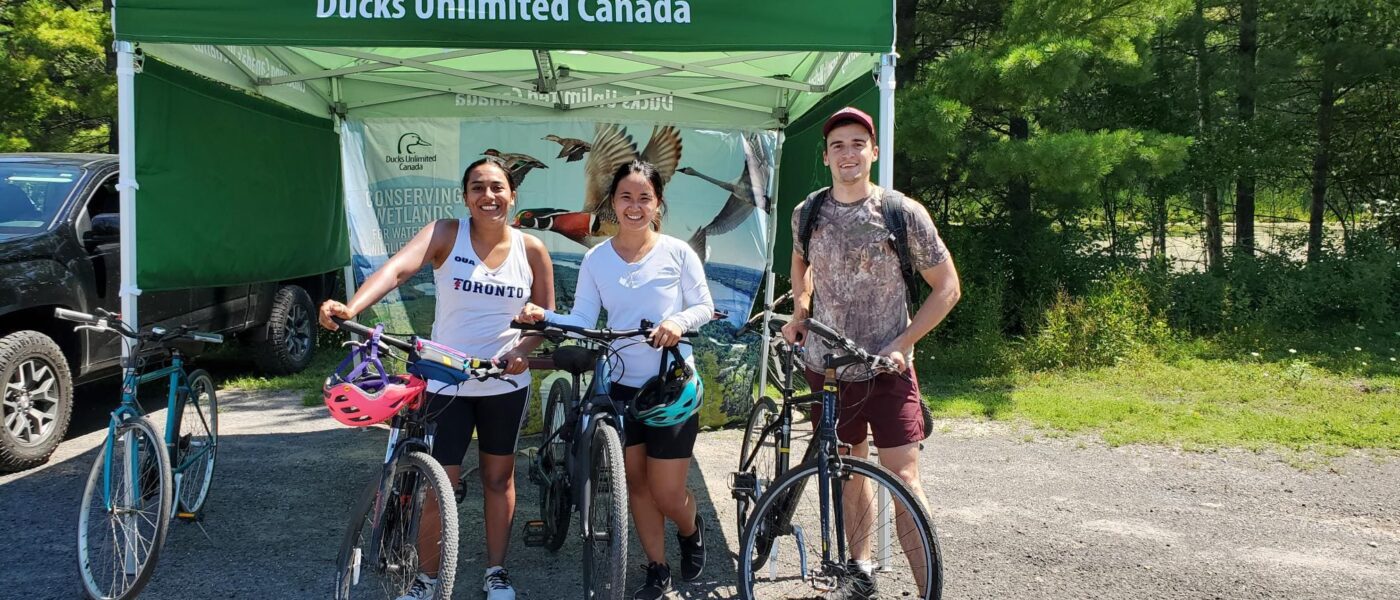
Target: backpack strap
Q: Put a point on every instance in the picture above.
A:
(807, 221)
(892, 209)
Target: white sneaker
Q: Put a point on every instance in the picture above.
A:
(497, 585)
(422, 589)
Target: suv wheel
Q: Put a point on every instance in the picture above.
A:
(38, 399)
(291, 332)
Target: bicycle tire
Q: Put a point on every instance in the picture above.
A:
(398, 555)
(124, 583)
(803, 478)
(762, 413)
(605, 551)
(556, 507)
(199, 419)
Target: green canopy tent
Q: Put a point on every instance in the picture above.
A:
(239, 180)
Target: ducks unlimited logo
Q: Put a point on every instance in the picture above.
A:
(412, 153)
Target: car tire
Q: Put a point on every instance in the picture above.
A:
(37, 399)
(291, 333)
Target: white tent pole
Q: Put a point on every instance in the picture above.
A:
(771, 279)
(886, 141)
(126, 182)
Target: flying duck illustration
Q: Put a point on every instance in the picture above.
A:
(747, 193)
(518, 165)
(573, 148)
(612, 147)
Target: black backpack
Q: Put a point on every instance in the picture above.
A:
(891, 208)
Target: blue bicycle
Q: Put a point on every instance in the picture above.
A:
(140, 478)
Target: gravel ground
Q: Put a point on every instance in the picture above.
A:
(1020, 515)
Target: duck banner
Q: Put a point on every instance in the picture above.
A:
(401, 174)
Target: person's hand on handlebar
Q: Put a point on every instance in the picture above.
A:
(517, 361)
(530, 314)
(333, 308)
(901, 356)
(795, 331)
(665, 335)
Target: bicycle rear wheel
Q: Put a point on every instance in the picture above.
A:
(388, 570)
(903, 555)
(758, 459)
(121, 529)
(556, 509)
(197, 444)
(605, 544)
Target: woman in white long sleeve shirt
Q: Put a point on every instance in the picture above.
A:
(643, 274)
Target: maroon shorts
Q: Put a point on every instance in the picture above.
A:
(887, 404)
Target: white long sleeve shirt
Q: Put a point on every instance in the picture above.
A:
(666, 284)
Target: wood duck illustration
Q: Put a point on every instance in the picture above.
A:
(518, 165)
(573, 148)
(747, 193)
(612, 147)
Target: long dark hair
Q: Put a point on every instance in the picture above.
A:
(649, 172)
(489, 160)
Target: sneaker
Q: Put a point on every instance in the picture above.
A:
(693, 551)
(658, 583)
(497, 585)
(858, 584)
(423, 588)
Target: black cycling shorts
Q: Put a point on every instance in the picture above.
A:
(495, 419)
(676, 441)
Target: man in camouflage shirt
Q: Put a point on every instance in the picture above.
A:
(853, 273)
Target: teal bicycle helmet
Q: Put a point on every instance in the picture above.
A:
(672, 396)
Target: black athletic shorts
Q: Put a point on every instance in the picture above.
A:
(676, 441)
(496, 420)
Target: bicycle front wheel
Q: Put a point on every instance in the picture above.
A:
(885, 545)
(198, 442)
(556, 508)
(605, 541)
(125, 513)
(408, 543)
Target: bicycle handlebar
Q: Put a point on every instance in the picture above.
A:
(106, 321)
(368, 332)
(850, 347)
(475, 367)
(596, 334)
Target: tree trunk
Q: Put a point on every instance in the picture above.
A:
(1210, 195)
(1244, 186)
(1018, 204)
(1159, 224)
(1327, 97)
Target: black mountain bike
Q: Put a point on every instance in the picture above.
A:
(379, 555)
(578, 464)
(823, 527)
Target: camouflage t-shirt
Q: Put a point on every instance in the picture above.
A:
(857, 287)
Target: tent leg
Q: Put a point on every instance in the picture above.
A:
(768, 282)
(126, 184)
(886, 141)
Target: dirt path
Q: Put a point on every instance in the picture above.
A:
(1020, 516)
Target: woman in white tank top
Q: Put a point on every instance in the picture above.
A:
(485, 272)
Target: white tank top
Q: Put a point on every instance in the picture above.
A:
(475, 306)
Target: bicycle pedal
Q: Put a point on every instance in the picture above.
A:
(535, 535)
(189, 517)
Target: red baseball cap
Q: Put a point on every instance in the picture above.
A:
(850, 114)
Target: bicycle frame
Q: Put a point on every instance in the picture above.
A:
(591, 409)
(130, 408)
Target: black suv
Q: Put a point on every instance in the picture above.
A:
(59, 248)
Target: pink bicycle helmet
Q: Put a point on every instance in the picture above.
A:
(363, 396)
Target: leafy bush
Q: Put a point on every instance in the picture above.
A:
(1110, 323)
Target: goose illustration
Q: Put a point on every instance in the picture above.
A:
(573, 148)
(612, 147)
(518, 165)
(409, 141)
(747, 193)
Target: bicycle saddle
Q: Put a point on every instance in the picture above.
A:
(575, 359)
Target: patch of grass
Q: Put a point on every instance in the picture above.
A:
(1193, 398)
(308, 382)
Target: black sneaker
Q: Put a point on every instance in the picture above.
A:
(857, 584)
(693, 551)
(658, 583)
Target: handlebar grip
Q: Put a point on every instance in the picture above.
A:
(536, 326)
(822, 330)
(366, 332)
(73, 315)
(212, 338)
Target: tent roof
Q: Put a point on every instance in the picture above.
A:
(744, 64)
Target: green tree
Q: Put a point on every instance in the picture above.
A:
(55, 92)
